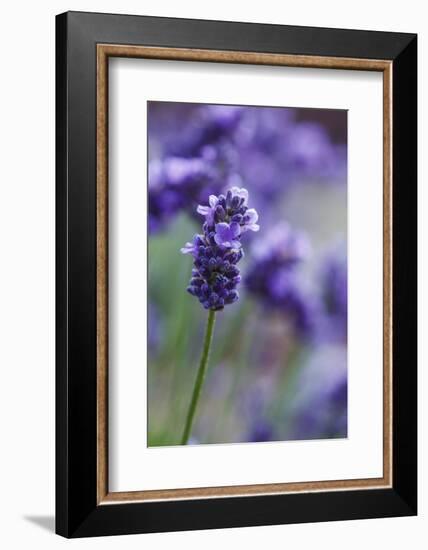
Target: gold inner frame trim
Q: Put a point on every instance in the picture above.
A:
(104, 51)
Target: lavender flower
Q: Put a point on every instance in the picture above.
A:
(216, 252)
(267, 147)
(210, 125)
(334, 283)
(262, 139)
(311, 152)
(278, 151)
(205, 157)
(335, 286)
(326, 416)
(322, 396)
(288, 297)
(282, 247)
(174, 183)
(271, 277)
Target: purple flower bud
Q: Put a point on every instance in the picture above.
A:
(220, 213)
(235, 202)
(233, 296)
(222, 201)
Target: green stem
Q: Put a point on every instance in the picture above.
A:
(199, 377)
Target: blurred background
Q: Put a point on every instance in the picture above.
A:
(278, 365)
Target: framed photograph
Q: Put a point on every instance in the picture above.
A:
(236, 274)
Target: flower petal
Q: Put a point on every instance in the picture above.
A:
(235, 229)
(221, 242)
(241, 193)
(250, 227)
(204, 210)
(217, 239)
(223, 231)
(252, 216)
(188, 248)
(213, 200)
(244, 195)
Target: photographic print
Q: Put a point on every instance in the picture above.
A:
(247, 274)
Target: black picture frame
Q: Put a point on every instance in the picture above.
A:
(77, 511)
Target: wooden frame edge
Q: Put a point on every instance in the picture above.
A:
(104, 51)
(241, 57)
(102, 274)
(387, 274)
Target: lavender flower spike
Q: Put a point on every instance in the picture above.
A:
(231, 208)
(216, 252)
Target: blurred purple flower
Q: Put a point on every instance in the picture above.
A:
(209, 125)
(287, 295)
(282, 247)
(334, 281)
(326, 418)
(196, 150)
(217, 251)
(173, 184)
(322, 397)
(277, 151)
(200, 160)
(260, 431)
(261, 141)
(272, 278)
(311, 151)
